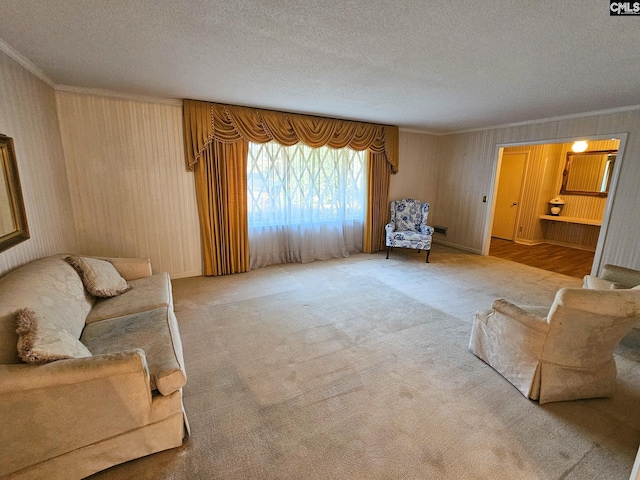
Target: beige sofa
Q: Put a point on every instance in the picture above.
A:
(119, 400)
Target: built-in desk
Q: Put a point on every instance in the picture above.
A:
(581, 221)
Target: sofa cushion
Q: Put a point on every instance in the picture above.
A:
(155, 332)
(148, 293)
(99, 277)
(43, 342)
(52, 289)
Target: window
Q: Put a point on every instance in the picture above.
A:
(304, 203)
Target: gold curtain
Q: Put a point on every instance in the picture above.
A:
(378, 175)
(221, 194)
(209, 129)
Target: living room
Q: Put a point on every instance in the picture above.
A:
(103, 173)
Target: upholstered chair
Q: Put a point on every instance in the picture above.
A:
(408, 226)
(613, 277)
(561, 353)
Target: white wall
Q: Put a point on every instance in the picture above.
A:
(131, 193)
(28, 115)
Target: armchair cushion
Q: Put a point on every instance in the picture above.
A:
(409, 239)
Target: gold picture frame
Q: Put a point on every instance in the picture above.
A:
(588, 173)
(13, 217)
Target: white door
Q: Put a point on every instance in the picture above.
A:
(508, 195)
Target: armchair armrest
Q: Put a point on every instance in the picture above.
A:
(131, 268)
(426, 230)
(390, 227)
(511, 339)
(529, 317)
(51, 409)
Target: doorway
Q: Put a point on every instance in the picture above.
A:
(526, 177)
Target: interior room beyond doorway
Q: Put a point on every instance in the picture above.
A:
(530, 179)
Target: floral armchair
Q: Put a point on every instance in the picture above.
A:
(408, 226)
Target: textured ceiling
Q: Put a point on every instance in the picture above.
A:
(432, 65)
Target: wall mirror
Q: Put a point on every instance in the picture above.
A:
(588, 173)
(13, 219)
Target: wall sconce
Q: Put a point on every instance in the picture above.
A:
(579, 146)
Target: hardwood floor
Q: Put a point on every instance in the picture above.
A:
(555, 258)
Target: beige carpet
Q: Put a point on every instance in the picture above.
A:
(358, 369)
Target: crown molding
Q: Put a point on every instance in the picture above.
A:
(119, 95)
(572, 116)
(25, 63)
(32, 68)
(422, 132)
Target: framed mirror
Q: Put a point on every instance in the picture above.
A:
(13, 219)
(588, 173)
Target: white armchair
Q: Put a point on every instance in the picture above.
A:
(562, 353)
(408, 226)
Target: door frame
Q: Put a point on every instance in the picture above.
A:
(602, 237)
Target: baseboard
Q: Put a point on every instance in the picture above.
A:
(571, 245)
(456, 246)
(192, 273)
(528, 242)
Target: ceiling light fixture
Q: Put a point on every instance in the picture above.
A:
(579, 146)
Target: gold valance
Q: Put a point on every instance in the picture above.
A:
(205, 122)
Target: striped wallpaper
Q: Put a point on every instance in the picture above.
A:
(28, 115)
(417, 177)
(131, 193)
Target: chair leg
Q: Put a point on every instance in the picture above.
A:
(388, 249)
(428, 252)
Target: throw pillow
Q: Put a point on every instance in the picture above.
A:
(42, 342)
(100, 278)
